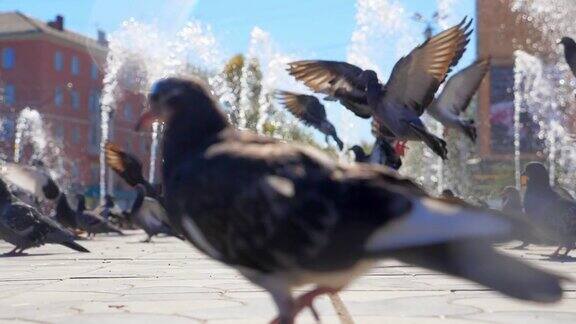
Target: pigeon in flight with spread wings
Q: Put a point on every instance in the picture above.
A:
(310, 111)
(456, 96)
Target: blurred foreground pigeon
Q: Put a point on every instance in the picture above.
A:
(286, 215)
(548, 208)
(456, 96)
(570, 53)
(148, 214)
(92, 222)
(24, 227)
(310, 111)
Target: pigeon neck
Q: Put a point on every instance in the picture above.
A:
(137, 202)
(188, 132)
(81, 205)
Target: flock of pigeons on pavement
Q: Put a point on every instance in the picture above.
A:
(287, 215)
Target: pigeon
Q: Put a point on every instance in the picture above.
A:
(340, 81)
(310, 111)
(456, 96)
(128, 167)
(109, 210)
(92, 222)
(24, 227)
(286, 215)
(33, 179)
(64, 213)
(148, 214)
(413, 83)
(382, 153)
(569, 53)
(548, 208)
(411, 88)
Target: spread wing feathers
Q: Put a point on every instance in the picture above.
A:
(126, 165)
(30, 179)
(462, 86)
(304, 107)
(416, 77)
(329, 77)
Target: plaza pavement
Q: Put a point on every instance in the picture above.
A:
(168, 281)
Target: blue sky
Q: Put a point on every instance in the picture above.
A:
(316, 28)
(321, 27)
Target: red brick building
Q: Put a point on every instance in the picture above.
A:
(59, 73)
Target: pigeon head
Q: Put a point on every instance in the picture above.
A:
(567, 41)
(536, 173)
(181, 97)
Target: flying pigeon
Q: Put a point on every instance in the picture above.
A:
(456, 96)
(24, 227)
(569, 53)
(548, 208)
(92, 222)
(34, 180)
(148, 214)
(310, 111)
(286, 215)
(413, 83)
(128, 167)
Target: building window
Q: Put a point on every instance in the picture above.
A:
(75, 98)
(94, 101)
(58, 97)
(94, 136)
(94, 71)
(75, 65)
(127, 110)
(58, 61)
(9, 95)
(59, 131)
(7, 130)
(8, 58)
(76, 135)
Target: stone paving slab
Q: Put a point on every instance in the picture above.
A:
(125, 281)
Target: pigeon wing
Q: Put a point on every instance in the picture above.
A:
(462, 86)
(416, 77)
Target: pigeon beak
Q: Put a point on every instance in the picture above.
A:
(146, 120)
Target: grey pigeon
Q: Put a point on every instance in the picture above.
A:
(570, 53)
(92, 222)
(148, 214)
(287, 215)
(33, 179)
(456, 96)
(382, 153)
(411, 87)
(310, 111)
(24, 227)
(545, 206)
